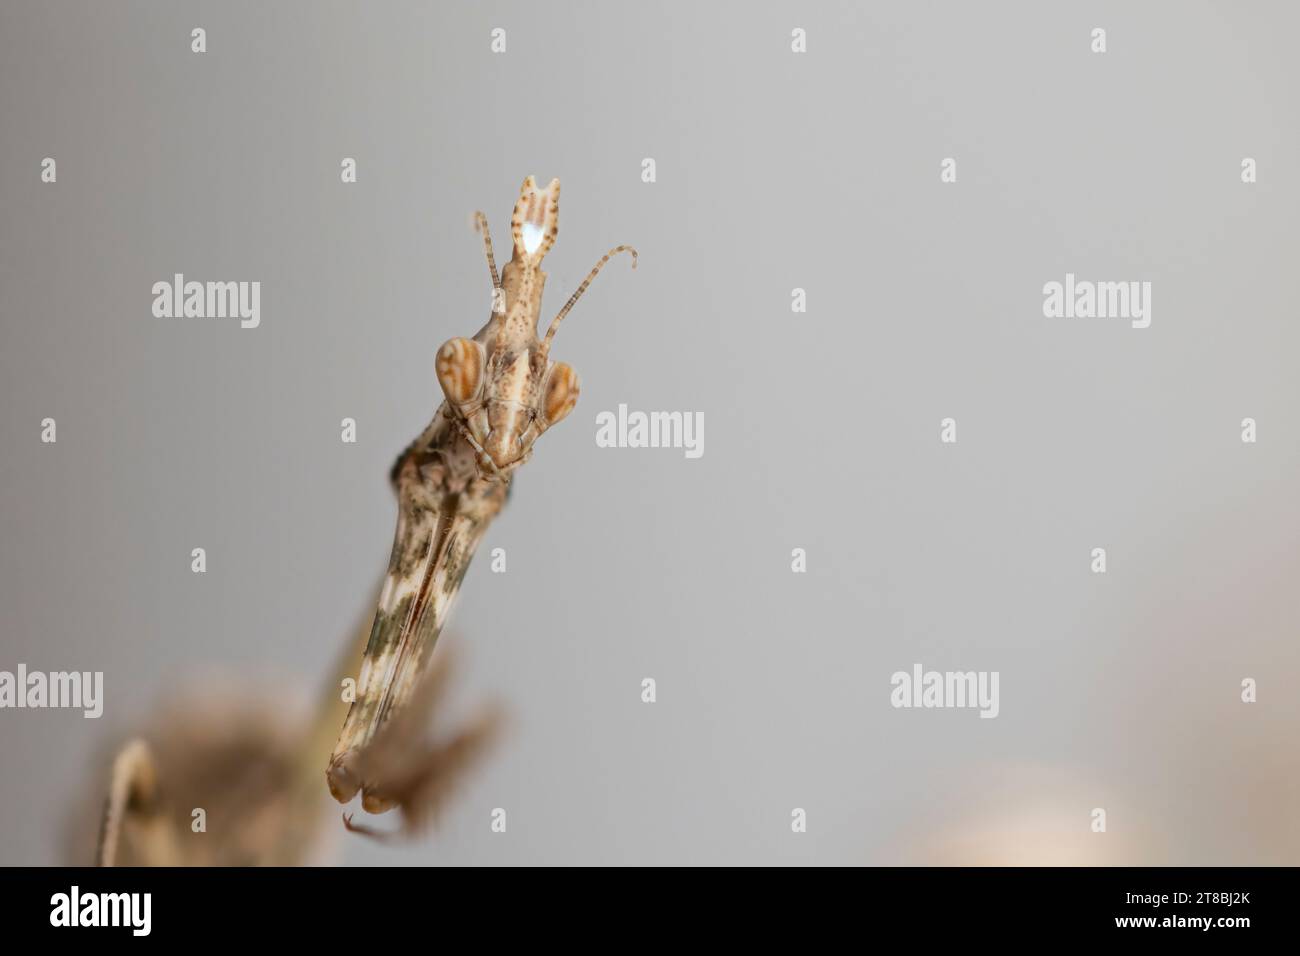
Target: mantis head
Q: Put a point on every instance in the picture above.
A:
(502, 387)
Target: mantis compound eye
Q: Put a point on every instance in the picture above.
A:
(460, 369)
(561, 393)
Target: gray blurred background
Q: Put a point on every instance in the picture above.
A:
(775, 171)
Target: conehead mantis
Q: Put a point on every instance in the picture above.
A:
(502, 391)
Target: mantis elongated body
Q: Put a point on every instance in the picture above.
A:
(502, 391)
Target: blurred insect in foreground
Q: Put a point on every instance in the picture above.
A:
(502, 391)
(225, 776)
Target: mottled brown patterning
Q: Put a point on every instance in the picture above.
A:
(502, 391)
